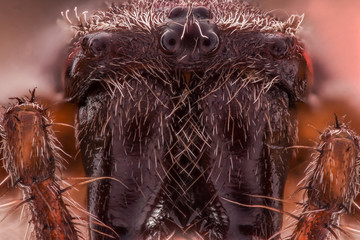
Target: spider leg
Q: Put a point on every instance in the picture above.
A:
(31, 156)
(331, 184)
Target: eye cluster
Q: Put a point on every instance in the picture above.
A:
(189, 30)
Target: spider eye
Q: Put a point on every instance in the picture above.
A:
(170, 41)
(278, 47)
(210, 43)
(202, 13)
(96, 44)
(177, 12)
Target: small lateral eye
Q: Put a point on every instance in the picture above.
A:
(96, 44)
(278, 47)
(170, 41)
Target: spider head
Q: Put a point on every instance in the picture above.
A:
(186, 43)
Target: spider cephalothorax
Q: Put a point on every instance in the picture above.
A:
(189, 105)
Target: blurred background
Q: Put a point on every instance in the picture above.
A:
(33, 45)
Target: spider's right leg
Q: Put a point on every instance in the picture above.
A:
(31, 156)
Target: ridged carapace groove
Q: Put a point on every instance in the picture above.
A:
(187, 104)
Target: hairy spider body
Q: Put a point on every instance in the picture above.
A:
(190, 106)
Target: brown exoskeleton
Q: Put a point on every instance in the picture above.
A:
(191, 108)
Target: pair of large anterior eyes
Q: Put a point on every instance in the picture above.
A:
(170, 42)
(190, 29)
(100, 43)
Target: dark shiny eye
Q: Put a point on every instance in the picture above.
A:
(177, 12)
(278, 47)
(202, 13)
(209, 44)
(96, 44)
(170, 41)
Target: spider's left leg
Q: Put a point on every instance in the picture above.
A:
(331, 184)
(31, 155)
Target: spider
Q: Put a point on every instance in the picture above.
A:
(186, 114)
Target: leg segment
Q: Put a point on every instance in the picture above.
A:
(331, 183)
(31, 157)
